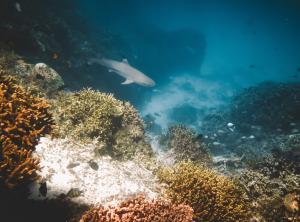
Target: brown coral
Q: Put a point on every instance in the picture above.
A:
(186, 145)
(24, 119)
(213, 197)
(16, 166)
(140, 210)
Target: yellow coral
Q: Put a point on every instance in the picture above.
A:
(290, 202)
(213, 197)
(90, 115)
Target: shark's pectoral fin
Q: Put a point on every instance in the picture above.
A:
(110, 70)
(127, 81)
(125, 61)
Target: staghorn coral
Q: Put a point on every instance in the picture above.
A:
(213, 197)
(90, 115)
(139, 209)
(17, 167)
(186, 145)
(24, 119)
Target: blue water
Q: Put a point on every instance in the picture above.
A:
(198, 52)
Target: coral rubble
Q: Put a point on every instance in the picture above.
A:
(139, 209)
(87, 177)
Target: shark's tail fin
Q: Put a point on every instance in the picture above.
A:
(92, 61)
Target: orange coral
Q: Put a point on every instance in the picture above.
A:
(23, 118)
(16, 166)
(139, 209)
(290, 202)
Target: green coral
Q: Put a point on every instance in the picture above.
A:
(213, 197)
(186, 145)
(90, 115)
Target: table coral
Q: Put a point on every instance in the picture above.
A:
(139, 209)
(213, 197)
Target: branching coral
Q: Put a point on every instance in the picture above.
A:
(213, 197)
(16, 166)
(268, 195)
(23, 118)
(91, 115)
(186, 145)
(139, 209)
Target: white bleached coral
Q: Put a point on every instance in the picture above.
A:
(67, 167)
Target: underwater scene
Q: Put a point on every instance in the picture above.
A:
(149, 110)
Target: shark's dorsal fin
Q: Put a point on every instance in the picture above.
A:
(125, 61)
(127, 81)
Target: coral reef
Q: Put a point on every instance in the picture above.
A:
(213, 197)
(259, 106)
(139, 209)
(17, 167)
(185, 144)
(46, 79)
(39, 80)
(23, 120)
(90, 115)
(268, 195)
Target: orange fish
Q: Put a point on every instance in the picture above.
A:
(55, 56)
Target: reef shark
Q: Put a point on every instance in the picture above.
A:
(124, 69)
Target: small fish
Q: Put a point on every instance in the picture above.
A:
(298, 69)
(74, 192)
(43, 189)
(230, 125)
(251, 66)
(72, 165)
(157, 114)
(55, 56)
(18, 7)
(93, 165)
